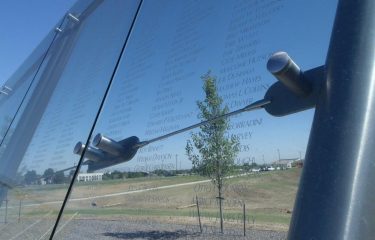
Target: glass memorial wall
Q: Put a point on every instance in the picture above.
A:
(14, 90)
(58, 111)
(174, 47)
(178, 53)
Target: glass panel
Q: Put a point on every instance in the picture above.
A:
(174, 46)
(14, 90)
(57, 113)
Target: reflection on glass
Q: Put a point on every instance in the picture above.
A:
(160, 190)
(14, 90)
(58, 112)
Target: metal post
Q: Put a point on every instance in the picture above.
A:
(199, 214)
(336, 196)
(19, 211)
(244, 220)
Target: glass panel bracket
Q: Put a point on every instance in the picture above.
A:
(294, 92)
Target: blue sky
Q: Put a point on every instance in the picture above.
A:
(23, 24)
(294, 28)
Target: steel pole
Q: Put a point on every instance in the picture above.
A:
(336, 196)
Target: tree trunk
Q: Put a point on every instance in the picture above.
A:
(220, 208)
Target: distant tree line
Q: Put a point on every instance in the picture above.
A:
(158, 172)
(48, 177)
(121, 175)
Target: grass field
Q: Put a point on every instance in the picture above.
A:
(268, 196)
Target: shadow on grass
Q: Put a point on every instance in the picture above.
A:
(151, 235)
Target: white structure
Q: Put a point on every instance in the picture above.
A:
(89, 177)
(286, 163)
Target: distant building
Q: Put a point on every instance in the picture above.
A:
(42, 181)
(285, 163)
(89, 177)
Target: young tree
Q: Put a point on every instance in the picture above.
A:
(216, 150)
